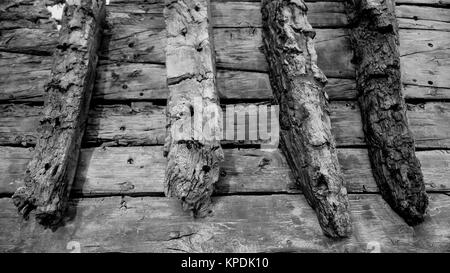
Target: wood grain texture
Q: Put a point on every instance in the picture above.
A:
(144, 124)
(436, 3)
(391, 144)
(236, 48)
(49, 175)
(424, 61)
(227, 13)
(22, 75)
(133, 81)
(423, 13)
(305, 126)
(194, 155)
(31, 14)
(140, 170)
(273, 223)
(406, 23)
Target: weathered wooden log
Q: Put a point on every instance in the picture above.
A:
(50, 173)
(193, 155)
(383, 109)
(306, 137)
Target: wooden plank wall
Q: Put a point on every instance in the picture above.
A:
(117, 196)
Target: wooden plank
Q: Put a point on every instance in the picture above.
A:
(405, 23)
(423, 13)
(427, 69)
(305, 126)
(242, 49)
(425, 121)
(424, 2)
(248, 14)
(22, 75)
(49, 176)
(413, 41)
(411, 91)
(23, 78)
(124, 125)
(29, 41)
(134, 81)
(236, 48)
(414, 47)
(227, 14)
(140, 170)
(15, 14)
(274, 223)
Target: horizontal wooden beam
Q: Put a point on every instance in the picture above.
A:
(24, 78)
(15, 14)
(226, 13)
(237, 48)
(436, 3)
(273, 223)
(22, 75)
(140, 170)
(144, 124)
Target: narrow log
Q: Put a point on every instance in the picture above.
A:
(50, 173)
(306, 137)
(395, 166)
(193, 156)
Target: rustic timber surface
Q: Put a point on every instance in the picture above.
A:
(383, 109)
(257, 205)
(193, 155)
(51, 171)
(305, 127)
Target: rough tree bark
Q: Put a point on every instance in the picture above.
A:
(391, 144)
(306, 137)
(50, 173)
(193, 157)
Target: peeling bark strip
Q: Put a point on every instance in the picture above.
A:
(50, 173)
(306, 137)
(391, 144)
(193, 160)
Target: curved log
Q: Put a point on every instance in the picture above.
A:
(306, 137)
(391, 144)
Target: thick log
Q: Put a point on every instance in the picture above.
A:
(50, 174)
(391, 144)
(193, 156)
(306, 137)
